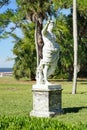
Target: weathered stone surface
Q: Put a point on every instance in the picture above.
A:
(47, 100)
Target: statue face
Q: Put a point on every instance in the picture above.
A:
(50, 27)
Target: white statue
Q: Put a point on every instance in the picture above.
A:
(50, 55)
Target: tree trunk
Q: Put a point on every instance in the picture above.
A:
(36, 44)
(38, 41)
(75, 47)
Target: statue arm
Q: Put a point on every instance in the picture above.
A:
(45, 28)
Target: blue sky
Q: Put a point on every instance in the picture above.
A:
(6, 45)
(6, 52)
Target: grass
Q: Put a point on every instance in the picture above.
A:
(16, 99)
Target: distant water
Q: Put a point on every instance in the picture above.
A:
(5, 69)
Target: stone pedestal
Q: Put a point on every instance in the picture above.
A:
(47, 100)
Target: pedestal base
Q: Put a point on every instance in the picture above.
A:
(47, 100)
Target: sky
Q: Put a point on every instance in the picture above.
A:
(6, 45)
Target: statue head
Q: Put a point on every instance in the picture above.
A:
(50, 26)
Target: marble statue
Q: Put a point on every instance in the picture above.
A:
(50, 54)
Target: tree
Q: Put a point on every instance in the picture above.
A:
(64, 39)
(82, 43)
(66, 43)
(76, 42)
(24, 49)
(37, 11)
(3, 3)
(4, 22)
(75, 47)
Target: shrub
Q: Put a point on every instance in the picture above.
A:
(31, 123)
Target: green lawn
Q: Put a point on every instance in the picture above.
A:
(16, 99)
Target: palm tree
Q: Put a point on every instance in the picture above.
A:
(36, 11)
(75, 47)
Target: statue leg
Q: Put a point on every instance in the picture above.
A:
(45, 71)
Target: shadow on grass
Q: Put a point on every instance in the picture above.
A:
(84, 92)
(84, 83)
(73, 110)
(60, 80)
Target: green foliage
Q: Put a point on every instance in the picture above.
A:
(3, 3)
(62, 4)
(82, 42)
(29, 123)
(4, 21)
(34, 10)
(24, 49)
(37, 10)
(82, 37)
(64, 34)
(82, 6)
(65, 40)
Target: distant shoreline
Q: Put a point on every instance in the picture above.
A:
(5, 70)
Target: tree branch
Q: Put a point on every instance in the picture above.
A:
(4, 3)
